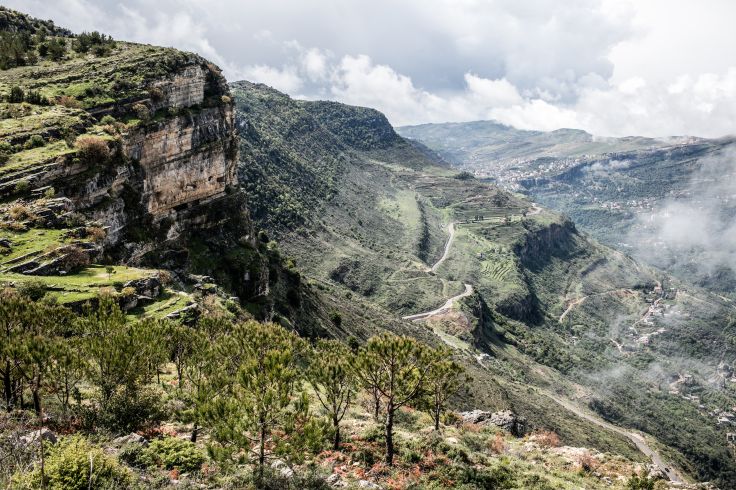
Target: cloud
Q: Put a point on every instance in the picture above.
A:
(696, 229)
(611, 67)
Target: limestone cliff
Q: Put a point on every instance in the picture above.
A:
(172, 145)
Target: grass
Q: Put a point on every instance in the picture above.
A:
(82, 285)
(36, 157)
(35, 240)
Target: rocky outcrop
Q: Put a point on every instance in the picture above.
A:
(185, 160)
(505, 419)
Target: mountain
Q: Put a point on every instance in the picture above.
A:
(143, 197)
(641, 195)
(372, 224)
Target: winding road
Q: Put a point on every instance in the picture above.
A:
(638, 440)
(450, 302)
(451, 231)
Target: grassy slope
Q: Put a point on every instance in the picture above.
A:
(362, 238)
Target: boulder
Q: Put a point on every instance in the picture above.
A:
(131, 438)
(282, 468)
(368, 484)
(335, 481)
(510, 422)
(475, 416)
(33, 437)
(505, 419)
(148, 286)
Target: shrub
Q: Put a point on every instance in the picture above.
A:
(35, 97)
(142, 112)
(35, 141)
(74, 257)
(33, 289)
(68, 101)
(637, 482)
(125, 412)
(156, 94)
(68, 466)
(336, 319)
(547, 438)
(96, 233)
(588, 463)
(135, 455)
(498, 444)
(92, 149)
(174, 453)
(22, 186)
(16, 94)
(128, 292)
(49, 193)
(19, 212)
(107, 119)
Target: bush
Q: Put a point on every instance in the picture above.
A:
(22, 186)
(142, 112)
(68, 468)
(16, 94)
(135, 455)
(128, 412)
(156, 94)
(68, 101)
(96, 233)
(33, 289)
(637, 482)
(35, 141)
(107, 119)
(174, 453)
(18, 211)
(547, 438)
(74, 257)
(92, 149)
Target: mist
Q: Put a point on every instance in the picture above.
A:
(693, 233)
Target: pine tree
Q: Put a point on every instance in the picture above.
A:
(331, 375)
(263, 380)
(123, 356)
(395, 367)
(444, 379)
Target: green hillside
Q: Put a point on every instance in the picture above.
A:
(189, 269)
(544, 293)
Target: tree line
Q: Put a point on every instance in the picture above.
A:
(252, 386)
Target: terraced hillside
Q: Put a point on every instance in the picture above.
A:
(117, 176)
(624, 191)
(551, 312)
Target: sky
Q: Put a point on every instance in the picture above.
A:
(611, 67)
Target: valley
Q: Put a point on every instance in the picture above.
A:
(189, 266)
(640, 195)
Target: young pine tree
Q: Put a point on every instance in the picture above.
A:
(331, 375)
(444, 379)
(263, 382)
(395, 367)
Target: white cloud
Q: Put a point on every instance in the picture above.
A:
(612, 67)
(285, 79)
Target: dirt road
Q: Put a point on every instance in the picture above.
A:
(442, 309)
(638, 440)
(451, 231)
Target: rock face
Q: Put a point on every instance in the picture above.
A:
(163, 169)
(505, 419)
(185, 160)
